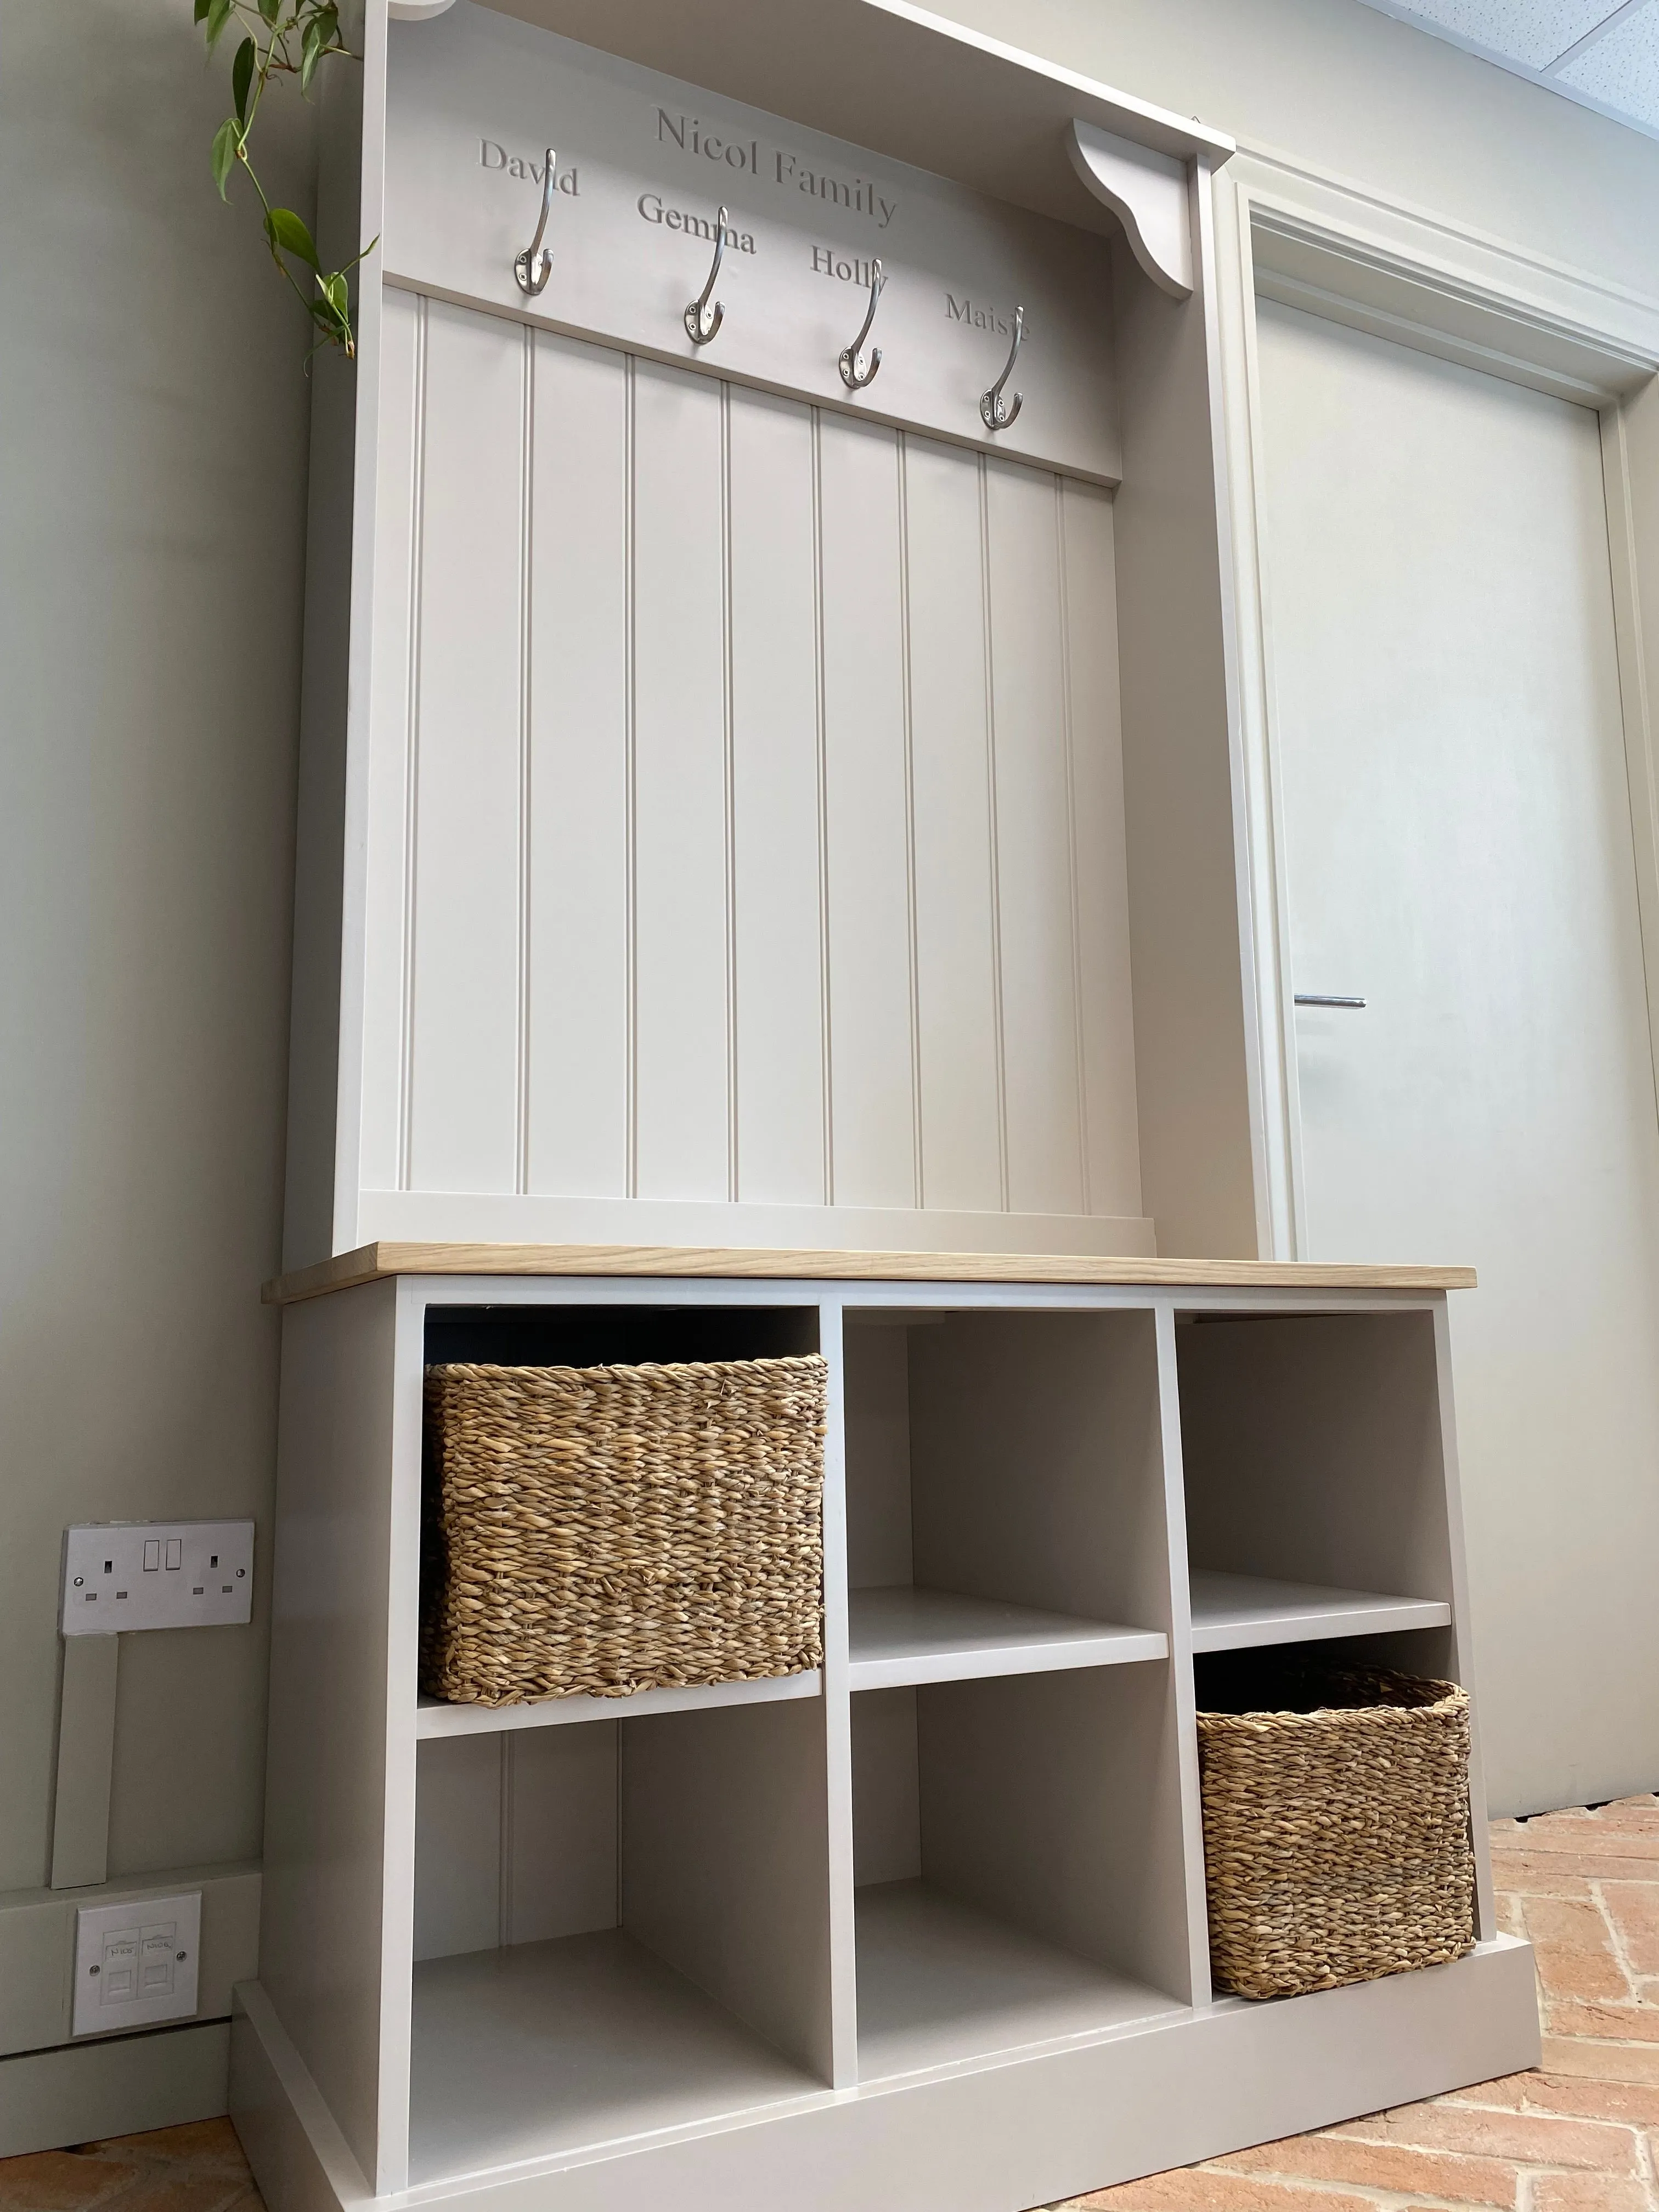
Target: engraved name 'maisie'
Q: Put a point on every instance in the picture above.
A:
(776, 165)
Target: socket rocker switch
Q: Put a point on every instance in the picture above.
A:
(136, 1963)
(121, 1575)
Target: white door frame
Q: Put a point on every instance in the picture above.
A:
(1311, 239)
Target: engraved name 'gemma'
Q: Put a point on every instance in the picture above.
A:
(856, 193)
(493, 157)
(651, 206)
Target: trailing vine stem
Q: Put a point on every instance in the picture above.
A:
(281, 37)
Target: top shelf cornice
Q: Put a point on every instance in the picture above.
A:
(372, 1263)
(895, 78)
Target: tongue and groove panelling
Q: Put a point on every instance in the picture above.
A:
(745, 818)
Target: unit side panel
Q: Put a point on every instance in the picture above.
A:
(1192, 1076)
(323, 1048)
(326, 1839)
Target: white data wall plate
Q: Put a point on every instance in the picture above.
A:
(120, 1574)
(136, 1962)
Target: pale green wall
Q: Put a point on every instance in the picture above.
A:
(154, 427)
(153, 416)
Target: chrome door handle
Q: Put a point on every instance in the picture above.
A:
(1326, 999)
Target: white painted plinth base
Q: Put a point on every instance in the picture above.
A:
(993, 2137)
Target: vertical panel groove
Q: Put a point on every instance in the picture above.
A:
(991, 817)
(412, 759)
(729, 740)
(629, 779)
(504, 1844)
(527, 564)
(918, 1169)
(1069, 738)
(824, 806)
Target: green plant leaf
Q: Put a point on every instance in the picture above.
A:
(226, 139)
(271, 10)
(335, 291)
(284, 229)
(311, 47)
(241, 76)
(201, 9)
(218, 14)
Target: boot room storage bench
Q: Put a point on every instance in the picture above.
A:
(924, 1927)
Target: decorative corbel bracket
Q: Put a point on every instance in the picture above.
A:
(1147, 192)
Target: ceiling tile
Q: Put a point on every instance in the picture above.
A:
(1530, 31)
(1622, 69)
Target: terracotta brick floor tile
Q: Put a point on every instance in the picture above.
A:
(169, 2187)
(1613, 2023)
(1537, 1874)
(1403, 2168)
(1202, 2189)
(1600, 2062)
(199, 2143)
(1588, 2192)
(1529, 2138)
(1634, 1909)
(58, 2181)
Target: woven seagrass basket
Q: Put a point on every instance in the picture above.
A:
(1336, 1830)
(609, 1529)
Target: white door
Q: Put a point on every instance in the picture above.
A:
(1458, 850)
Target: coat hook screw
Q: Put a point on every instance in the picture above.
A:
(855, 373)
(702, 322)
(995, 411)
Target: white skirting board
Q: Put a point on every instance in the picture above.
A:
(82, 2092)
(985, 2137)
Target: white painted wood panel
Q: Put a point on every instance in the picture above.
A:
(463, 1044)
(959, 1043)
(748, 832)
(1094, 737)
(778, 1048)
(578, 933)
(867, 794)
(682, 789)
(1036, 907)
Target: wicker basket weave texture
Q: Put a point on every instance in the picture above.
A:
(1337, 1845)
(609, 1529)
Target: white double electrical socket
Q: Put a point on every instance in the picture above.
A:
(136, 1963)
(120, 1574)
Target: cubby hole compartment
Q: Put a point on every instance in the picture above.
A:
(1315, 1477)
(1006, 1511)
(620, 1926)
(1017, 1864)
(557, 1336)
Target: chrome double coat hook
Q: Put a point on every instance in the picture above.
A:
(855, 373)
(702, 322)
(995, 412)
(531, 281)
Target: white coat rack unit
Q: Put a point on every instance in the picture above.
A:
(742, 805)
(768, 830)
